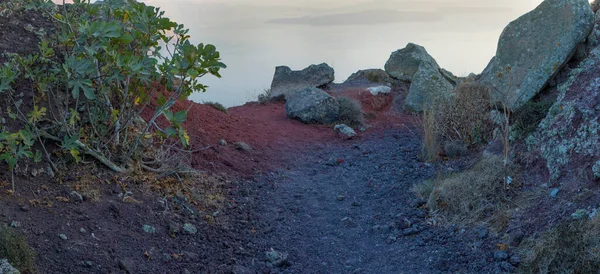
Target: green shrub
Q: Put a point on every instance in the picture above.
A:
(216, 105)
(528, 117)
(101, 67)
(350, 112)
(377, 76)
(430, 144)
(572, 247)
(471, 195)
(15, 249)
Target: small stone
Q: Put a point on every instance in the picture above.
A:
(515, 260)
(500, 255)
(190, 228)
(174, 228)
(506, 266)
(356, 204)
(222, 142)
(34, 172)
(149, 229)
(63, 236)
(75, 196)
(554, 192)
(580, 214)
(482, 233)
(50, 172)
(410, 231)
(15, 224)
(516, 237)
(277, 258)
(344, 130)
(341, 197)
(242, 146)
(379, 90)
(391, 239)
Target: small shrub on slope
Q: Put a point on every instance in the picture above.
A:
(572, 247)
(217, 106)
(351, 112)
(472, 195)
(15, 249)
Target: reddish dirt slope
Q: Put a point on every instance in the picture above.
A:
(268, 130)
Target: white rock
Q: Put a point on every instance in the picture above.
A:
(345, 130)
(380, 90)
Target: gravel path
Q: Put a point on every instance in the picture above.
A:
(349, 209)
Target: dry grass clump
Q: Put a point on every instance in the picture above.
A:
(572, 247)
(476, 194)
(466, 118)
(430, 146)
(216, 105)
(461, 120)
(351, 112)
(15, 249)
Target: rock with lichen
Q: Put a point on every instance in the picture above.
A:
(568, 138)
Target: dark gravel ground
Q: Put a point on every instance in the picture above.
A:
(349, 209)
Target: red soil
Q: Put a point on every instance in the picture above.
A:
(268, 130)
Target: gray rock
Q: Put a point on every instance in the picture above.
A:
(379, 90)
(287, 81)
(500, 255)
(506, 266)
(75, 196)
(222, 142)
(411, 231)
(149, 229)
(596, 169)
(312, 106)
(515, 237)
(6, 268)
(580, 214)
(404, 63)
(63, 236)
(535, 47)
(277, 258)
(369, 75)
(190, 228)
(344, 130)
(427, 87)
(569, 135)
(515, 260)
(15, 224)
(242, 146)
(593, 40)
(554, 192)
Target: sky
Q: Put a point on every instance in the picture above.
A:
(255, 36)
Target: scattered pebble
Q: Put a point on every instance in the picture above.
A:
(222, 142)
(341, 197)
(15, 224)
(63, 236)
(277, 258)
(149, 229)
(82, 230)
(75, 196)
(554, 192)
(190, 228)
(242, 146)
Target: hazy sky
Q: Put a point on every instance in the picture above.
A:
(254, 36)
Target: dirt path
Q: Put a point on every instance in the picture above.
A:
(349, 209)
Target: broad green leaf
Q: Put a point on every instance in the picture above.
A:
(180, 116)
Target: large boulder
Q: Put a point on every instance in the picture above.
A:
(534, 47)
(404, 63)
(369, 75)
(312, 106)
(428, 86)
(286, 80)
(568, 139)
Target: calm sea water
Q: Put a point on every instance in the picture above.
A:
(255, 36)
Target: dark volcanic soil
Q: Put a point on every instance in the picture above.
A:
(348, 208)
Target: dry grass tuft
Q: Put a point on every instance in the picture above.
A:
(476, 194)
(15, 249)
(217, 106)
(430, 146)
(572, 247)
(351, 112)
(466, 118)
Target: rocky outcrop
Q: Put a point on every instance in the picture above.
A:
(404, 63)
(286, 81)
(312, 106)
(593, 39)
(369, 75)
(428, 81)
(427, 86)
(569, 137)
(534, 47)
(6, 268)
